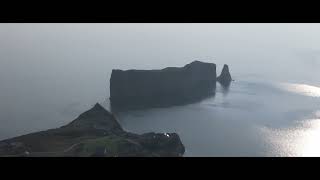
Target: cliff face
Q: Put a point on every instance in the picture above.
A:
(95, 132)
(169, 86)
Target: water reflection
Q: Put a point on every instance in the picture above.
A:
(165, 102)
(302, 89)
(301, 140)
(225, 88)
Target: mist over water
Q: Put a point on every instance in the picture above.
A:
(50, 73)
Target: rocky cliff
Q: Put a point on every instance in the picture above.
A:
(156, 88)
(95, 132)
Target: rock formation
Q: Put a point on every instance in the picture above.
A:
(225, 77)
(165, 87)
(95, 132)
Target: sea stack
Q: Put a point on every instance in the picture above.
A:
(156, 88)
(225, 77)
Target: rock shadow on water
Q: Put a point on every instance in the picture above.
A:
(140, 105)
(225, 88)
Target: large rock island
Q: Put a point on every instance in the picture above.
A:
(134, 89)
(156, 88)
(95, 132)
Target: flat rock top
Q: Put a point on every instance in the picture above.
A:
(192, 64)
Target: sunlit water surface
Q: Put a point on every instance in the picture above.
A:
(248, 119)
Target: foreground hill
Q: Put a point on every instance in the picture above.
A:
(95, 132)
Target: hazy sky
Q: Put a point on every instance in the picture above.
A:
(54, 68)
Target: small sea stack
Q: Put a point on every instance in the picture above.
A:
(225, 76)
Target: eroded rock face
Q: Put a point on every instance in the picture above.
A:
(95, 132)
(155, 88)
(225, 76)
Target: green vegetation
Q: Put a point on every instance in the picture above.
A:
(108, 143)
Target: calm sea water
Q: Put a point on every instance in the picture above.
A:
(50, 73)
(251, 119)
